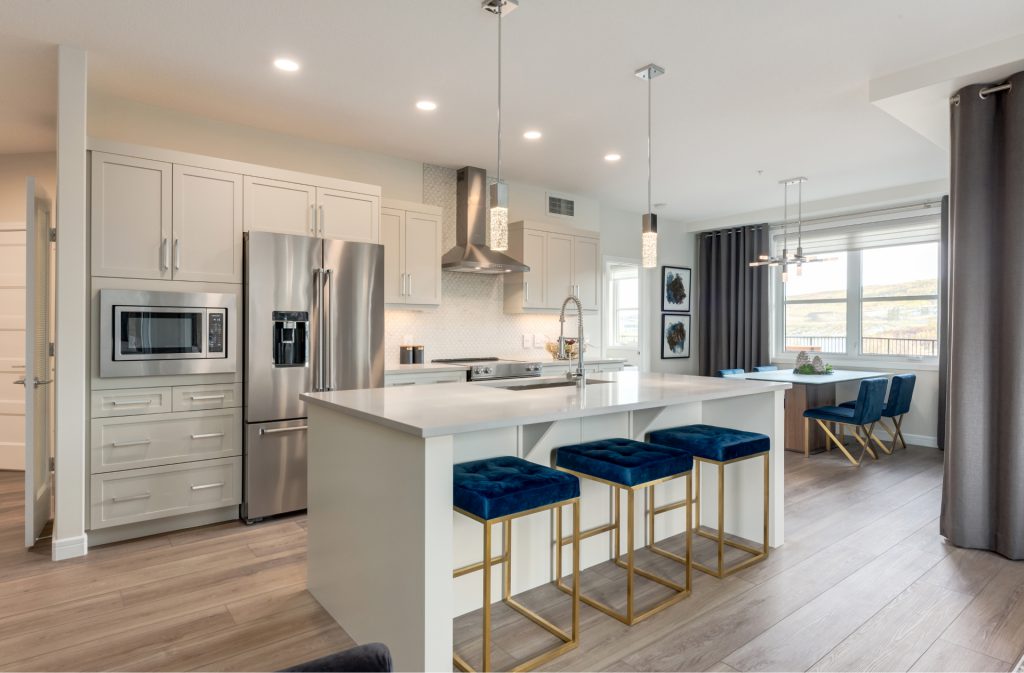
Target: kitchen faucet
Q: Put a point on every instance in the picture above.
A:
(580, 373)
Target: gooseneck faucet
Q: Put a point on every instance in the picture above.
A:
(580, 372)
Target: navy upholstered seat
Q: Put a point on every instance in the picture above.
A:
(867, 408)
(496, 487)
(624, 461)
(901, 392)
(766, 368)
(713, 442)
(722, 373)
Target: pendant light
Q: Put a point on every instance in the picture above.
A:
(649, 237)
(797, 259)
(498, 189)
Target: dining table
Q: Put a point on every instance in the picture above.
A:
(808, 392)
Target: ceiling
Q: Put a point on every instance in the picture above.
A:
(754, 91)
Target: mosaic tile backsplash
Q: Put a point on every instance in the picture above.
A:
(471, 321)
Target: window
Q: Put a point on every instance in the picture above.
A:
(878, 302)
(624, 308)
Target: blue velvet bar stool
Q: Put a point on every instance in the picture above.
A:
(720, 447)
(631, 466)
(866, 411)
(725, 373)
(901, 393)
(766, 368)
(499, 490)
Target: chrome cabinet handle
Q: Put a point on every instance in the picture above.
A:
(406, 383)
(17, 366)
(129, 498)
(131, 403)
(35, 382)
(526, 289)
(203, 487)
(165, 259)
(136, 442)
(177, 254)
(410, 283)
(206, 398)
(401, 290)
(275, 431)
(209, 435)
(321, 221)
(312, 219)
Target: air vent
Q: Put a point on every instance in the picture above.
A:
(558, 205)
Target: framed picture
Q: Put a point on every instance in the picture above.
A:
(675, 289)
(675, 336)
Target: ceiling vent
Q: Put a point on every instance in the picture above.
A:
(561, 206)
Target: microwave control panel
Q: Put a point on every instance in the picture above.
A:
(215, 334)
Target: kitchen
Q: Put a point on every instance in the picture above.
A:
(249, 273)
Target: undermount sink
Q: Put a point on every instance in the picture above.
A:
(550, 384)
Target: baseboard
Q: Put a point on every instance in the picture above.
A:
(70, 547)
(916, 440)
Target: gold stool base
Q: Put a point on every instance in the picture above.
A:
(719, 535)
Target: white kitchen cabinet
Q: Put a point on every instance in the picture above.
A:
(422, 378)
(279, 206)
(411, 235)
(348, 216)
(207, 225)
(130, 402)
(130, 217)
(562, 262)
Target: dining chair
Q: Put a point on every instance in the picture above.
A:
(724, 373)
(766, 368)
(901, 392)
(865, 413)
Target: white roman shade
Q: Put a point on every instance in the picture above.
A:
(858, 231)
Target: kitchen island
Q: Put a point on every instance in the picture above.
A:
(383, 538)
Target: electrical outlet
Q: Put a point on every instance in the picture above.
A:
(539, 340)
(527, 341)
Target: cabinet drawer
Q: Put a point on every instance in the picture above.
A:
(196, 398)
(130, 402)
(423, 378)
(128, 443)
(140, 495)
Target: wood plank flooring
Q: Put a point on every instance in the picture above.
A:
(864, 582)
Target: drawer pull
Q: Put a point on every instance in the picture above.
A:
(275, 431)
(203, 487)
(209, 435)
(134, 403)
(406, 383)
(206, 398)
(136, 442)
(129, 498)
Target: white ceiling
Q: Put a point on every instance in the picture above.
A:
(778, 87)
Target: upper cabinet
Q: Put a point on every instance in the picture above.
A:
(562, 262)
(411, 235)
(207, 228)
(284, 207)
(349, 216)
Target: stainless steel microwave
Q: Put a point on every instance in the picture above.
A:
(166, 333)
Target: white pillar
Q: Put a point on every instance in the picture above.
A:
(72, 310)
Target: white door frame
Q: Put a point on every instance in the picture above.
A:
(606, 301)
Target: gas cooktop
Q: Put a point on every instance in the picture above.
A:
(489, 369)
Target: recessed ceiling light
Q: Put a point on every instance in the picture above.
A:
(426, 105)
(532, 135)
(286, 64)
(612, 157)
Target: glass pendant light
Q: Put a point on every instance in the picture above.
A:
(649, 237)
(498, 189)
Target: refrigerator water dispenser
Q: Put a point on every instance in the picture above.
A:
(291, 338)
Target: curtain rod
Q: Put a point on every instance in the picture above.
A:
(984, 93)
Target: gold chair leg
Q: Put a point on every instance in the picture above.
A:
(719, 538)
(721, 518)
(842, 447)
(487, 599)
(807, 437)
(764, 533)
(899, 430)
(575, 570)
(696, 470)
(630, 512)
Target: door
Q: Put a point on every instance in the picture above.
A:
(12, 345)
(38, 372)
(207, 227)
(275, 468)
(533, 280)
(557, 270)
(586, 271)
(392, 222)
(280, 288)
(130, 217)
(422, 258)
(348, 216)
(353, 330)
(285, 207)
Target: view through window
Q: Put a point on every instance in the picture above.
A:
(877, 301)
(624, 292)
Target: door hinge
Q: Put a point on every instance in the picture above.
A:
(52, 349)
(53, 234)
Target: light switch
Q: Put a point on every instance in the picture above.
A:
(527, 341)
(539, 340)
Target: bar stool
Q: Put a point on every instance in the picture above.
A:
(498, 490)
(720, 447)
(630, 466)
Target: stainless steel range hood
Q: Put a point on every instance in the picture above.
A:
(471, 253)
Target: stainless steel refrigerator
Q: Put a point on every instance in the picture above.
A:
(314, 321)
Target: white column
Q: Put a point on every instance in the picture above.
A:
(72, 310)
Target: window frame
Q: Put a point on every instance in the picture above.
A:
(612, 309)
(854, 314)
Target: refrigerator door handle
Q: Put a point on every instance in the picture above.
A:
(328, 333)
(318, 297)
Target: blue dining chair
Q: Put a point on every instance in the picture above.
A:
(766, 368)
(901, 392)
(865, 413)
(723, 373)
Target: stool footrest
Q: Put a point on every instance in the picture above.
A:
(479, 565)
(651, 576)
(590, 532)
(731, 543)
(668, 507)
(538, 620)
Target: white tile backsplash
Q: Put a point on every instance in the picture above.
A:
(471, 321)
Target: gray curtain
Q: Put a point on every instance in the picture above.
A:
(733, 299)
(943, 322)
(983, 489)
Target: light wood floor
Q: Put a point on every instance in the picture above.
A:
(864, 582)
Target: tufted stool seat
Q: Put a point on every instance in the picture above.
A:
(720, 447)
(630, 466)
(496, 491)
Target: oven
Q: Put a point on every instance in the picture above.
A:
(166, 333)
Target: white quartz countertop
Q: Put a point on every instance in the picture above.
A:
(453, 408)
(432, 367)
